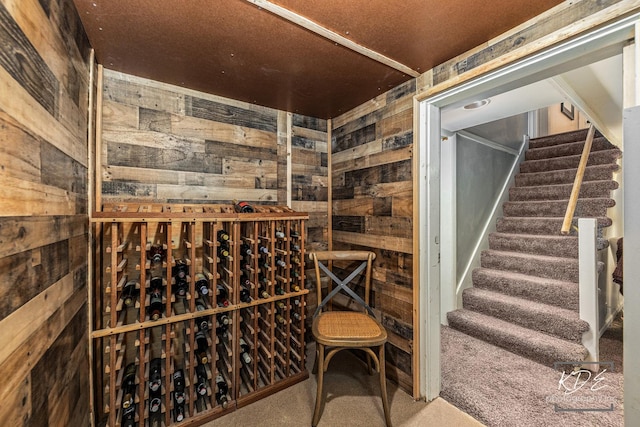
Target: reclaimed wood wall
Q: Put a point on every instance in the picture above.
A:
(44, 86)
(372, 209)
(167, 144)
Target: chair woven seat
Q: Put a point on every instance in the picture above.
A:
(334, 326)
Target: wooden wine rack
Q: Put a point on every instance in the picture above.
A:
(259, 298)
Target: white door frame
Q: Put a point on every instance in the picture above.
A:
(596, 44)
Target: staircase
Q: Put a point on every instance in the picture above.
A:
(525, 294)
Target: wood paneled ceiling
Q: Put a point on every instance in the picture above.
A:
(258, 51)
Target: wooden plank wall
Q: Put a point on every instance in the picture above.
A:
(372, 202)
(44, 81)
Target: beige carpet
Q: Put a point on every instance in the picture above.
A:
(352, 400)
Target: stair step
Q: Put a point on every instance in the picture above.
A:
(565, 176)
(589, 189)
(561, 138)
(538, 225)
(538, 346)
(559, 246)
(565, 269)
(569, 162)
(562, 323)
(548, 291)
(585, 208)
(568, 149)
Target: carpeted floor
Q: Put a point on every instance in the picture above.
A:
(353, 400)
(503, 389)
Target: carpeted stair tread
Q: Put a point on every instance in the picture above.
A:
(549, 245)
(550, 267)
(568, 149)
(544, 290)
(565, 324)
(561, 138)
(570, 162)
(588, 190)
(538, 225)
(595, 207)
(538, 346)
(565, 176)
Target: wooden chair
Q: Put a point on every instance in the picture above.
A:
(340, 330)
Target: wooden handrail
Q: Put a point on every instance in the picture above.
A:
(577, 183)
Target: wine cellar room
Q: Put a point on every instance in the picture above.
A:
(168, 168)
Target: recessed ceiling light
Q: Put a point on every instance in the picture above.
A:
(477, 104)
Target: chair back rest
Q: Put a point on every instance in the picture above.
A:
(320, 258)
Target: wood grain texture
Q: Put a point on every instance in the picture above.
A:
(44, 90)
(372, 194)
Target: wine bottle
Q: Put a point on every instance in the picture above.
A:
(128, 386)
(243, 207)
(181, 270)
(222, 236)
(263, 250)
(295, 288)
(245, 250)
(296, 315)
(279, 234)
(279, 290)
(223, 251)
(202, 284)
(280, 262)
(295, 248)
(280, 305)
(223, 318)
(244, 351)
(155, 304)
(201, 322)
(245, 295)
(201, 383)
(223, 389)
(178, 412)
(280, 319)
(155, 374)
(294, 234)
(157, 254)
(222, 330)
(155, 282)
(201, 353)
(155, 402)
(129, 293)
(222, 296)
(178, 386)
(181, 287)
(128, 418)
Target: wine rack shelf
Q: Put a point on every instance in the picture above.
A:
(196, 310)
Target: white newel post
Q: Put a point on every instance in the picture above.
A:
(588, 277)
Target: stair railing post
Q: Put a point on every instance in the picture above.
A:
(588, 285)
(577, 183)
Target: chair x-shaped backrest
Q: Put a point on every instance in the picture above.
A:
(342, 284)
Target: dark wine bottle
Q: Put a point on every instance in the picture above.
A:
(201, 322)
(245, 250)
(155, 402)
(294, 233)
(155, 374)
(222, 297)
(222, 236)
(178, 412)
(244, 351)
(222, 330)
(181, 287)
(223, 251)
(129, 292)
(181, 270)
(279, 234)
(263, 250)
(221, 393)
(157, 254)
(201, 383)
(296, 315)
(203, 345)
(281, 320)
(178, 386)
(223, 318)
(279, 290)
(243, 207)
(155, 304)
(128, 386)
(202, 283)
(245, 295)
(280, 262)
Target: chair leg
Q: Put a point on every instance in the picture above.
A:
(369, 368)
(320, 376)
(315, 362)
(383, 387)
